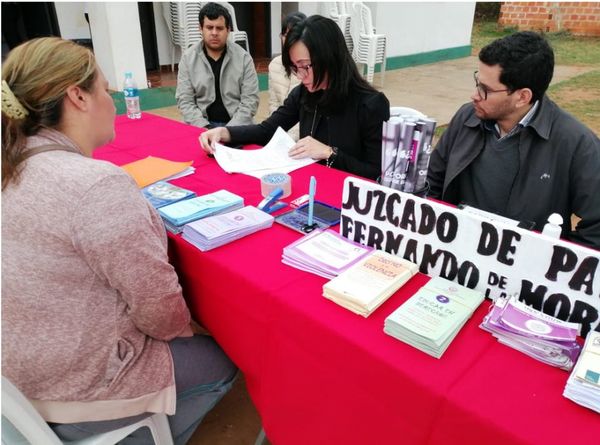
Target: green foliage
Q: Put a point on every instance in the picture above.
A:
(485, 32)
(568, 49)
(580, 96)
(487, 10)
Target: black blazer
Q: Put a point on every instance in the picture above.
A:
(353, 127)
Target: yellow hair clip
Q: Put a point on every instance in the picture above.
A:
(10, 104)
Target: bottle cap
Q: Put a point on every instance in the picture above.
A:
(555, 219)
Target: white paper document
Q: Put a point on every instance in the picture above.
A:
(272, 158)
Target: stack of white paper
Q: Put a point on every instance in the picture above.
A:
(534, 333)
(365, 285)
(217, 230)
(180, 213)
(583, 385)
(324, 252)
(272, 158)
(431, 318)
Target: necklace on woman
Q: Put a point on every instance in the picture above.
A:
(312, 128)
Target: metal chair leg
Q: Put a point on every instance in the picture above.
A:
(261, 438)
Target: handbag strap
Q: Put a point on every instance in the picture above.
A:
(44, 148)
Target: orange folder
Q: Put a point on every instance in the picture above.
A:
(150, 170)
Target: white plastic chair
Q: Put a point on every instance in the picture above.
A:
(236, 35)
(183, 25)
(339, 13)
(22, 424)
(406, 111)
(369, 48)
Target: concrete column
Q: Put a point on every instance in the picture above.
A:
(117, 39)
(276, 13)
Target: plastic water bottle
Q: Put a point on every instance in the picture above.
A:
(553, 227)
(132, 97)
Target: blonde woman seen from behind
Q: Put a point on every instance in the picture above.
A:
(95, 331)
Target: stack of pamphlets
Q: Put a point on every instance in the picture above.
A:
(583, 386)
(214, 231)
(324, 252)
(534, 333)
(433, 316)
(164, 193)
(365, 285)
(406, 148)
(180, 213)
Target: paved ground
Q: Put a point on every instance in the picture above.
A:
(436, 90)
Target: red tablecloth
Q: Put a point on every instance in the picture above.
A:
(319, 374)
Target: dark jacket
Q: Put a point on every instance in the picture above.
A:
(559, 169)
(354, 127)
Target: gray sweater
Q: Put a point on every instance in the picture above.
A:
(89, 298)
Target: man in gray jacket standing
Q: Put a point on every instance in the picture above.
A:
(217, 83)
(514, 152)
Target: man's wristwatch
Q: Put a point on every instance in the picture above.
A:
(332, 156)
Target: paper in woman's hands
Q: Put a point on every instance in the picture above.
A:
(272, 158)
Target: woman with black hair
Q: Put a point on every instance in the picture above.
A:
(340, 114)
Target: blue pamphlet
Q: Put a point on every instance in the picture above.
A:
(164, 193)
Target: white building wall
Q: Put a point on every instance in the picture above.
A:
(117, 39)
(414, 28)
(411, 27)
(167, 54)
(71, 20)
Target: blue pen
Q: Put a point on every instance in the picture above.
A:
(312, 189)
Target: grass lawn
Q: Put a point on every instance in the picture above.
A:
(579, 95)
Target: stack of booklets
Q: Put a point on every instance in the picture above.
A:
(180, 213)
(365, 285)
(583, 385)
(324, 252)
(164, 193)
(214, 231)
(433, 316)
(534, 333)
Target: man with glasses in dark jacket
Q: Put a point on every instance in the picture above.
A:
(514, 152)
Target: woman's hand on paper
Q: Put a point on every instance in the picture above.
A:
(209, 138)
(309, 147)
